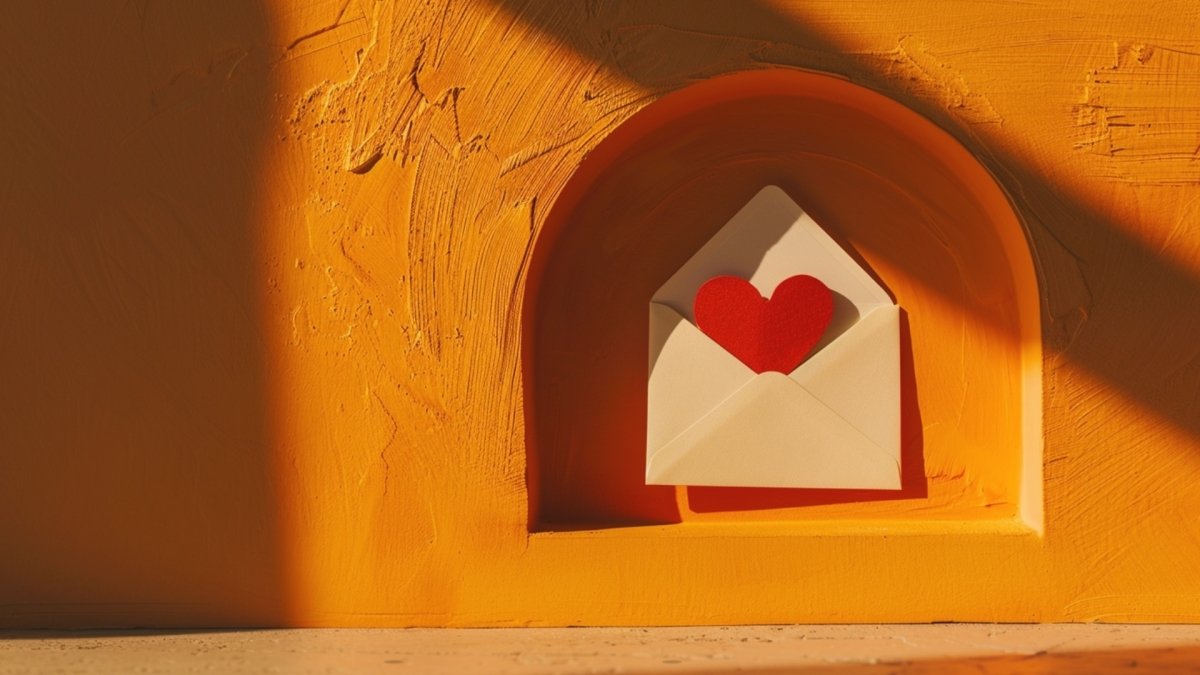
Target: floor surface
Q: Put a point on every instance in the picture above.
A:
(757, 650)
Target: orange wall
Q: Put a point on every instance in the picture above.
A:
(261, 350)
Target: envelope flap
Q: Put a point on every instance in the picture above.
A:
(767, 241)
(773, 433)
(689, 376)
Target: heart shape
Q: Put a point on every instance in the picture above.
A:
(766, 335)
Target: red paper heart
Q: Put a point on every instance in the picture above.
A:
(775, 334)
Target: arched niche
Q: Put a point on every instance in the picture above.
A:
(899, 193)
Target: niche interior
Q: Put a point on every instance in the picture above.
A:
(902, 196)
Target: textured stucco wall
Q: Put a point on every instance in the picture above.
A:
(260, 344)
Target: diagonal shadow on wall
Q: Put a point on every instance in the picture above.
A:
(1145, 349)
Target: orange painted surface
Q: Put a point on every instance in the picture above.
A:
(262, 357)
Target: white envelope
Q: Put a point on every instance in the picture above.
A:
(833, 422)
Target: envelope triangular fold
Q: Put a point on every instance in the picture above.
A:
(858, 377)
(773, 433)
(689, 376)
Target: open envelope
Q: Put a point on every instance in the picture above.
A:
(833, 422)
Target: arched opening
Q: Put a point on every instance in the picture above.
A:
(897, 192)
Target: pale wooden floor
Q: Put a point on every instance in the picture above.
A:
(762, 650)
